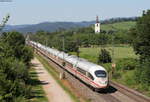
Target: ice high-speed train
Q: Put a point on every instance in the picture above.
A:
(92, 74)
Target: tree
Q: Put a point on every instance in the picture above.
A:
(13, 38)
(142, 73)
(103, 39)
(27, 54)
(104, 57)
(16, 41)
(141, 44)
(141, 36)
(5, 50)
(13, 78)
(71, 46)
(14, 75)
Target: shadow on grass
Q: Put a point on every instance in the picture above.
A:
(37, 91)
(35, 82)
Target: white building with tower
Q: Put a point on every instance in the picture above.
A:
(97, 25)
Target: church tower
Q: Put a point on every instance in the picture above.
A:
(97, 25)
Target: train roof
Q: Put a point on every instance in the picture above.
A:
(78, 62)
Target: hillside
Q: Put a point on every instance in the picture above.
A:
(47, 26)
(111, 24)
(118, 26)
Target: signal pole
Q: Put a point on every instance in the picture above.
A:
(113, 54)
(113, 57)
(62, 75)
(78, 50)
(63, 46)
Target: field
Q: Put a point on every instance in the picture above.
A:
(118, 26)
(119, 52)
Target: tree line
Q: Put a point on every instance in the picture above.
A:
(83, 37)
(119, 19)
(15, 57)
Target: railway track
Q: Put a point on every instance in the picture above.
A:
(138, 97)
(115, 92)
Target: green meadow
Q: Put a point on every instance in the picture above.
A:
(119, 26)
(120, 52)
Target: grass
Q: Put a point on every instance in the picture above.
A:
(120, 52)
(91, 54)
(55, 75)
(37, 90)
(119, 26)
(127, 79)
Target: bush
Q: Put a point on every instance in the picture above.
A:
(14, 69)
(19, 99)
(142, 73)
(126, 64)
(108, 67)
(127, 78)
(116, 75)
(13, 78)
(27, 54)
(104, 57)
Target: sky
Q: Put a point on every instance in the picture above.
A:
(36, 11)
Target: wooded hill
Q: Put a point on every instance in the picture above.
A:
(55, 26)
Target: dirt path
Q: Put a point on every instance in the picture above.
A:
(53, 91)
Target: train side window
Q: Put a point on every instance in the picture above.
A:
(90, 76)
(81, 70)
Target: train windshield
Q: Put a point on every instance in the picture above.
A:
(100, 73)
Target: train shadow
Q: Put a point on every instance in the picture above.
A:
(108, 90)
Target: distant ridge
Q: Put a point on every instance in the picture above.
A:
(54, 26)
(47, 26)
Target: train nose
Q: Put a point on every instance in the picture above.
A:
(102, 81)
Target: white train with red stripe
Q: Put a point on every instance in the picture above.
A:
(92, 74)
